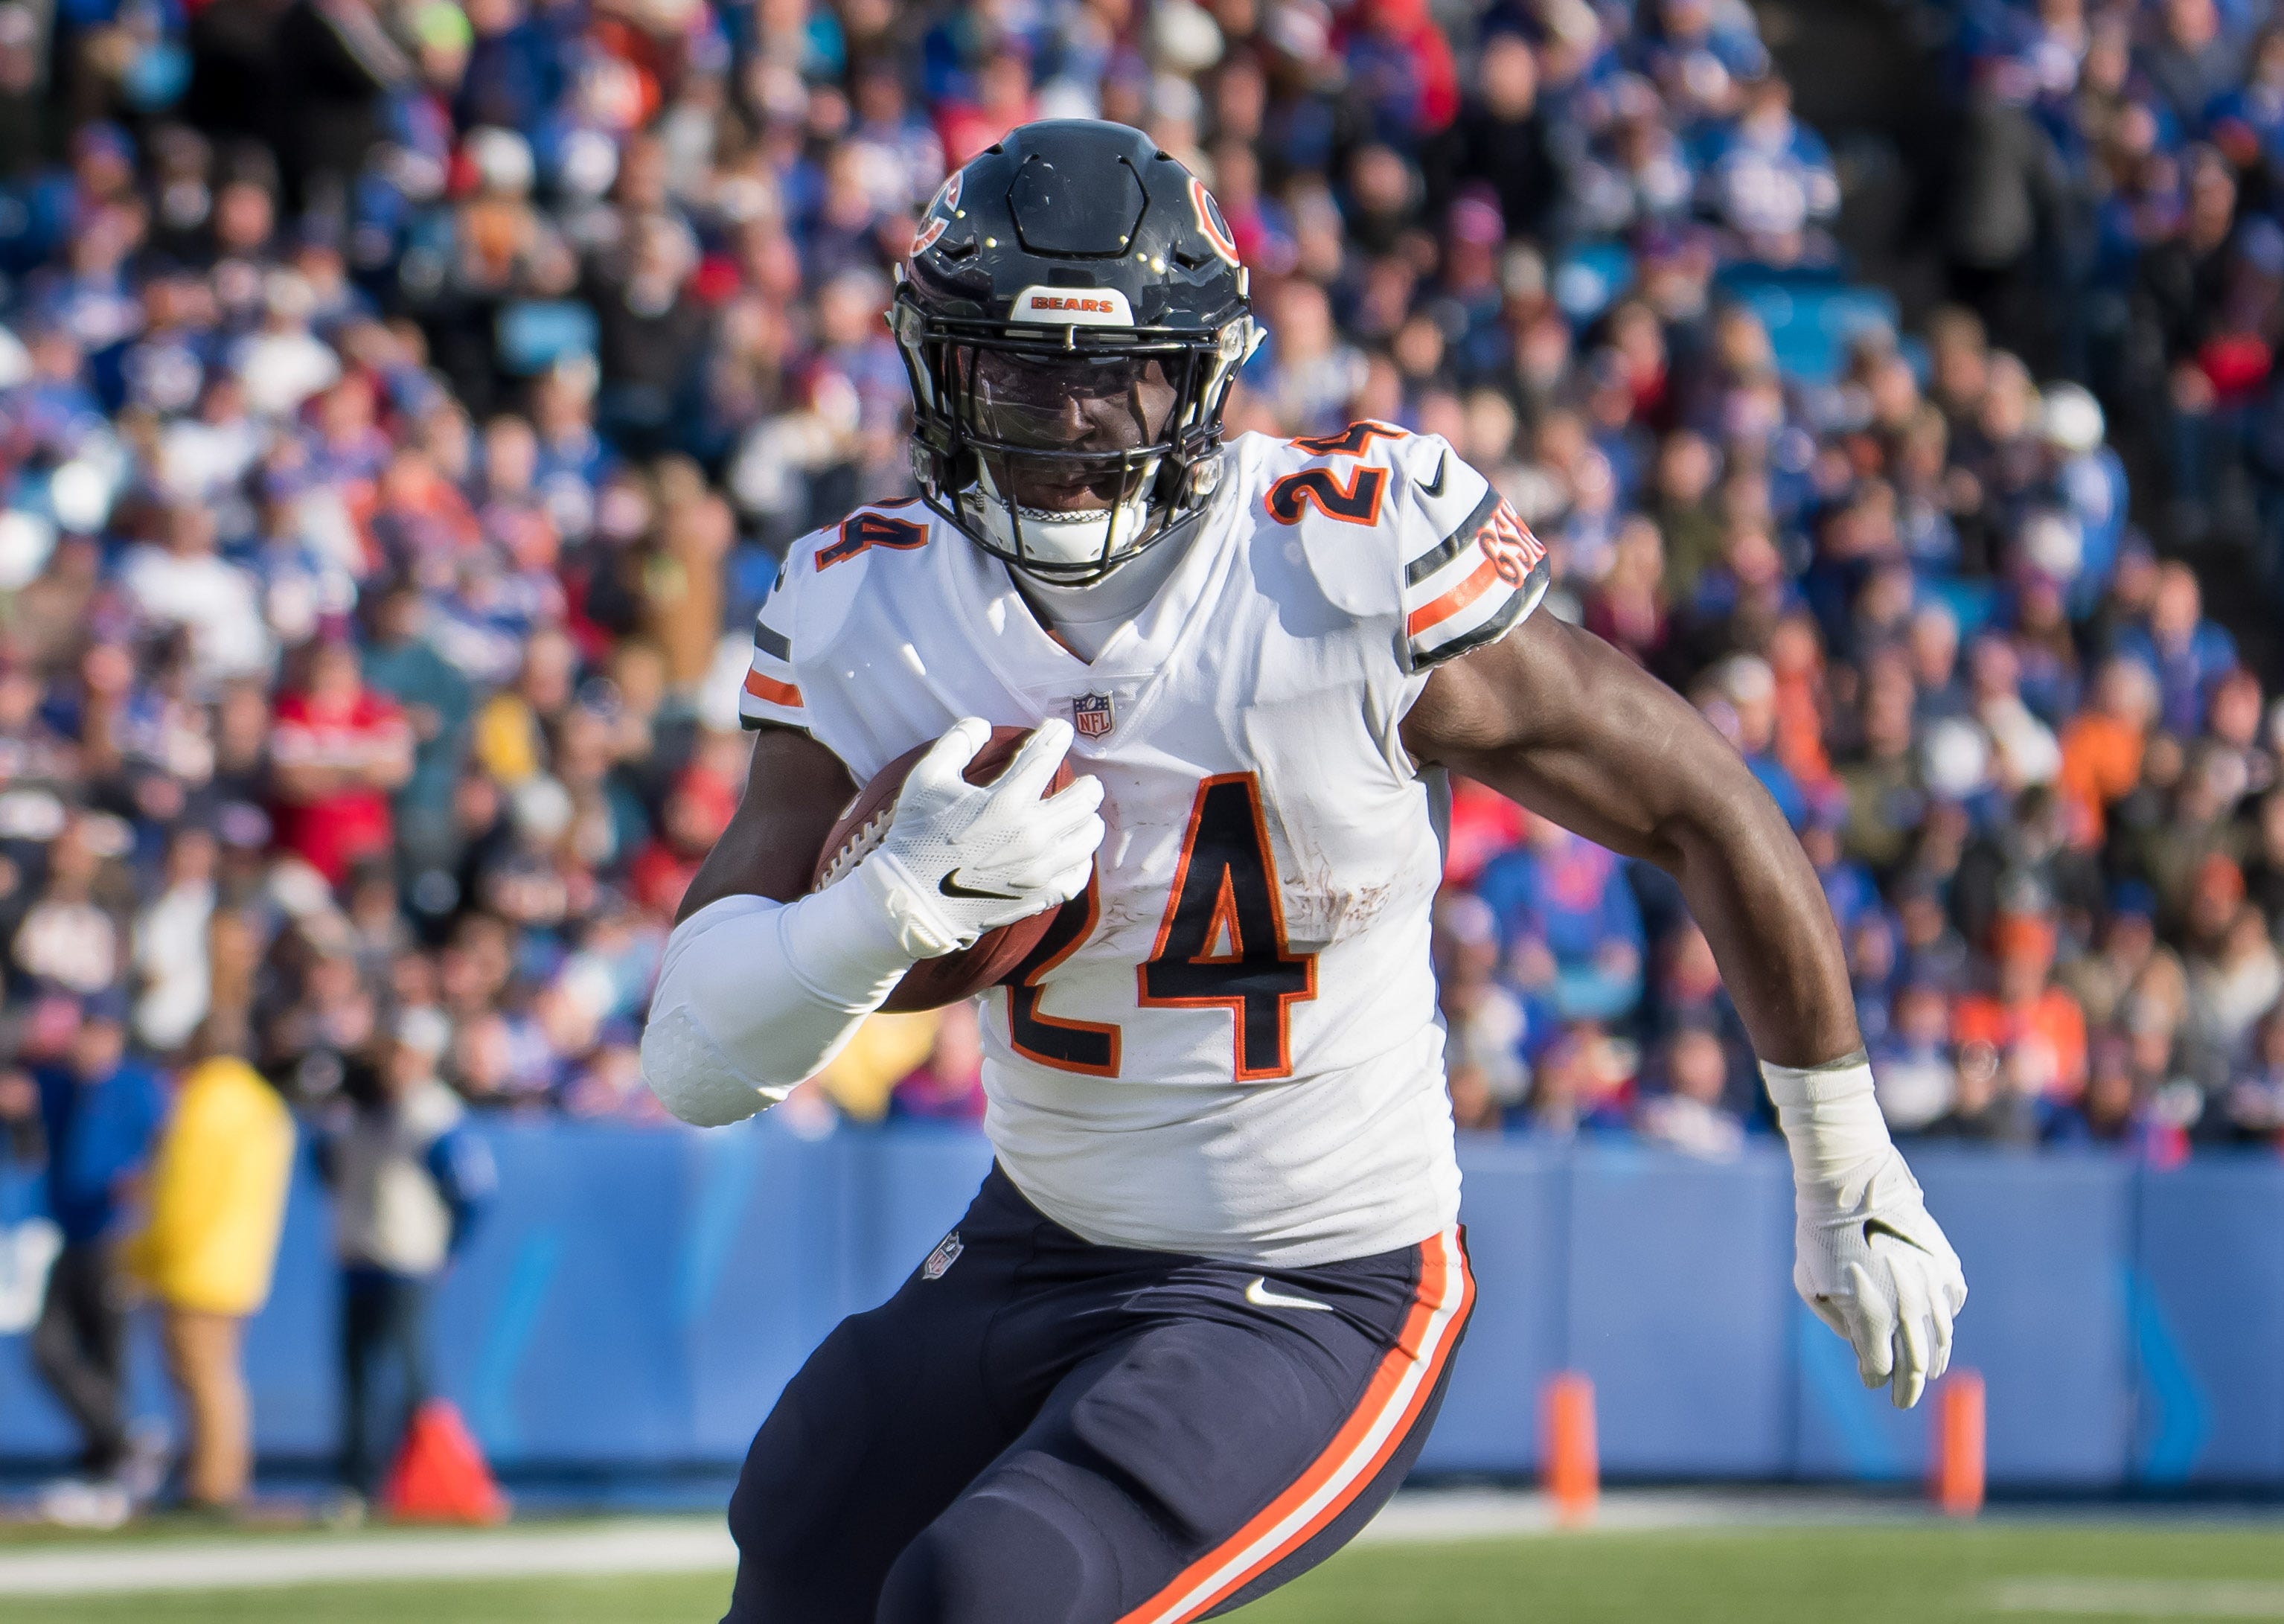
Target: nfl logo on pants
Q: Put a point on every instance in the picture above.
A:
(946, 1253)
(1090, 715)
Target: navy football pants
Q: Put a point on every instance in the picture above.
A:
(1055, 1432)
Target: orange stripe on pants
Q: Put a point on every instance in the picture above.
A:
(1401, 1384)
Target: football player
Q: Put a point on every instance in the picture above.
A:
(1197, 1323)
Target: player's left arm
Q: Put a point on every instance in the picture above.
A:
(1564, 724)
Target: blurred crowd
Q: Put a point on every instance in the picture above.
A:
(403, 406)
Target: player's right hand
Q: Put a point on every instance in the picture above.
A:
(960, 859)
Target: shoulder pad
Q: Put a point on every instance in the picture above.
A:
(826, 570)
(1365, 501)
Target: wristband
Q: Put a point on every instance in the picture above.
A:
(1831, 1117)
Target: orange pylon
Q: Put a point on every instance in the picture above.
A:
(1955, 1475)
(1569, 1461)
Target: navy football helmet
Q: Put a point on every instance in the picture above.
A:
(1071, 316)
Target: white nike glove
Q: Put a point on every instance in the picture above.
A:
(1868, 1257)
(961, 859)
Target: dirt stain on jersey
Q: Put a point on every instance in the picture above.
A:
(1320, 911)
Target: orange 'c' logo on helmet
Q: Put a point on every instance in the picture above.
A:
(939, 215)
(1209, 220)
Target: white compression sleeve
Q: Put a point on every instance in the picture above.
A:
(755, 995)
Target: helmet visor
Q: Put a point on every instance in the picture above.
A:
(1065, 431)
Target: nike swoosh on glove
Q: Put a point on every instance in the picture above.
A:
(1868, 1257)
(1879, 1270)
(1008, 851)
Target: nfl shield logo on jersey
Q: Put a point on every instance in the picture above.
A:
(946, 1253)
(1090, 715)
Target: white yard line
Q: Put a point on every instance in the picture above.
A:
(632, 1547)
(2140, 1598)
(692, 1545)
(1426, 1515)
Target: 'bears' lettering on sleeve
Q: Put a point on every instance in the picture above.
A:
(862, 530)
(1474, 585)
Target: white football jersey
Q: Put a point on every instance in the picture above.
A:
(1231, 1046)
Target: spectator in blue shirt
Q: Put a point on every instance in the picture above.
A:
(1571, 927)
(2186, 653)
(100, 1115)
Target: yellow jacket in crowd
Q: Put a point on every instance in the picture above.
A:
(217, 1197)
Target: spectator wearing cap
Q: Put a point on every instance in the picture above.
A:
(409, 1180)
(98, 1113)
(2088, 479)
(208, 1245)
(2034, 1031)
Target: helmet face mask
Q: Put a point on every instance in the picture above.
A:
(1068, 385)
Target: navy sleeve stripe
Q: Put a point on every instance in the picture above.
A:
(771, 643)
(1444, 552)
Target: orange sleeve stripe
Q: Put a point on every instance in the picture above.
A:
(769, 688)
(1451, 602)
(1399, 1390)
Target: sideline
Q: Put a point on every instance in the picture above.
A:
(690, 1544)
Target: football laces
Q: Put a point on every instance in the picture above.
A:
(860, 844)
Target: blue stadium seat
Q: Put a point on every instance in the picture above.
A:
(1589, 278)
(1811, 327)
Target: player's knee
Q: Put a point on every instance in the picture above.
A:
(804, 1461)
(992, 1559)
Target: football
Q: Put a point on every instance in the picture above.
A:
(933, 983)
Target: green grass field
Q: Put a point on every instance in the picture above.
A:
(1996, 1570)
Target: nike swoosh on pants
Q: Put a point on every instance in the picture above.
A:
(1260, 1296)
